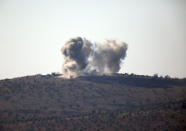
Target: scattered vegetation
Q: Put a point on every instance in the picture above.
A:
(108, 102)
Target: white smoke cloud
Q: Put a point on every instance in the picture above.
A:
(81, 57)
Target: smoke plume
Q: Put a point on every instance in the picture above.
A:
(81, 57)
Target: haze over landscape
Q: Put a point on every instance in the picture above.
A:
(33, 32)
(109, 65)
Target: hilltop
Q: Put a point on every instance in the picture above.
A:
(99, 102)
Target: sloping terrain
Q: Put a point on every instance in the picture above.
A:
(35, 102)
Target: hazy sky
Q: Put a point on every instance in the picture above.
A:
(32, 33)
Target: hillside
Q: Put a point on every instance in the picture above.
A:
(106, 102)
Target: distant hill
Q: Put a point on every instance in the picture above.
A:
(102, 102)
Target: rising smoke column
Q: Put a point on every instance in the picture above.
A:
(81, 57)
(76, 52)
(108, 55)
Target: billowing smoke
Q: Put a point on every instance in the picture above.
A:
(81, 57)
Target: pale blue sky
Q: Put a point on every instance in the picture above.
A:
(32, 33)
